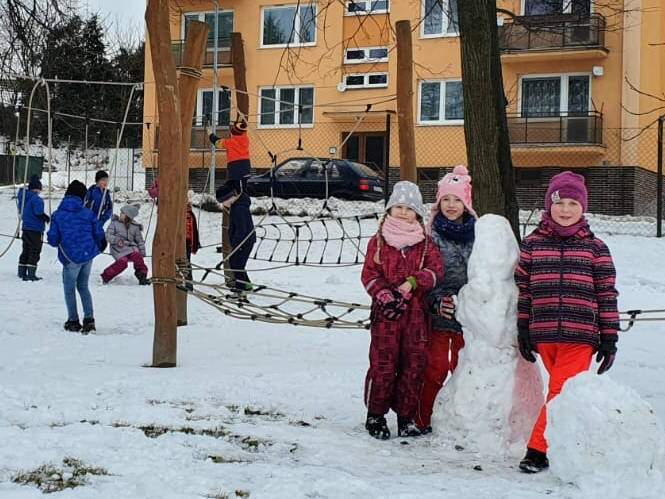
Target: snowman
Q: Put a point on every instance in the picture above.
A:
(493, 399)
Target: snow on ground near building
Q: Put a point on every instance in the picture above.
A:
(273, 411)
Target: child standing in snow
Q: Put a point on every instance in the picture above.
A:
(127, 245)
(233, 195)
(567, 307)
(192, 242)
(98, 198)
(401, 266)
(31, 209)
(79, 237)
(453, 221)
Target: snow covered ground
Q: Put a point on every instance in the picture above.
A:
(252, 409)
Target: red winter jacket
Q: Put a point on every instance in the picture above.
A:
(566, 288)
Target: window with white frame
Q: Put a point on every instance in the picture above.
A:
(441, 102)
(286, 106)
(552, 7)
(364, 7)
(288, 25)
(205, 105)
(365, 54)
(439, 18)
(552, 96)
(366, 80)
(224, 27)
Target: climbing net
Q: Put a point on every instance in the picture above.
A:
(271, 305)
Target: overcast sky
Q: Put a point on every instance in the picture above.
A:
(123, 10)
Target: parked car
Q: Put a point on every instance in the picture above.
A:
(306, 177)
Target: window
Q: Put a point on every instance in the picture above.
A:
(439, 18)
(206, 103)
(553, 7)
(365, 54)
(291, 168)
(367, 80)
(288, 25)
(224, 27)
(441, 102)
(364, 7)
(318, 168)
(555, 95)
(281, 106)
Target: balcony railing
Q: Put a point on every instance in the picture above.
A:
(223, 52)
(199, 135)
(548, 33)
(562, 128)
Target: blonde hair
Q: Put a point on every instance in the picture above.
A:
(379, 241)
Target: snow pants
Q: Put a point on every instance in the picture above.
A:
(562, 361)
(121, 264)
(32, 248)
(241, 237)
(236, 183)
(442, 355)
(397, 357)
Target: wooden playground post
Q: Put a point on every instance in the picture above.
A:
(165, 342)
(407, 139)
(188, 83)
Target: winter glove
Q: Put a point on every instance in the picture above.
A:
(391, 302)
(525, 346)
(45, 218)
(447, 307)
(213, 138)
(607, 352)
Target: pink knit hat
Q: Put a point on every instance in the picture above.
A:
(457, 183)
(566, 185)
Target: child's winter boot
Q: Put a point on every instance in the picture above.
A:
(30, 271)
(142, 278)
(407, 428)
(88, 325)
(377, 427)
(21, 271)
(74, 326)
(534, 461)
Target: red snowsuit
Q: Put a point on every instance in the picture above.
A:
(398, 349)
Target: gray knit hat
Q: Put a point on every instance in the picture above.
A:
(407, 193)
(130, 211)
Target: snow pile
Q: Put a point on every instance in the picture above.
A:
(605, 439)
(494, 396)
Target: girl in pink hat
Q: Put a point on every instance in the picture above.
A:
(452, 228)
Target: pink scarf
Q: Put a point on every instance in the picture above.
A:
(400, 234)
(560, 230)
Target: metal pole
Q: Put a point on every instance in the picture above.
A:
(386, 161)
(659, 180)
(215, 98)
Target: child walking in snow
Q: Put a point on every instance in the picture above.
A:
(127, 245)
(452, 227)
(31, 208)
(98, 198)
(233, 195)
(567, 307)
(401, 266)
(79, 237)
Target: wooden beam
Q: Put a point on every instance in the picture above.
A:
(188, 84)
(165, 343)
(407, 138)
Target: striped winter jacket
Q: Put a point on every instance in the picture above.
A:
(566, 288)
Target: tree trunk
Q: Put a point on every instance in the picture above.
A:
(407, 139)
(165, 342)
(195, 47)
(485, 123)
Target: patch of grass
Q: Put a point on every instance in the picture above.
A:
(227, 495)
(257, 411)
(219, 459)
(50, 478)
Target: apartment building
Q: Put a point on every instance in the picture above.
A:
(580, 78)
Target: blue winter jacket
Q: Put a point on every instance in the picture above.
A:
(93, 200)
(33, 210)
(75, 231)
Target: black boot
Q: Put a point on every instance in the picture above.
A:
(88, 325)
(30, 271)
(534, 461)
(407, 427)
(21, 271)
(73, 326)
(142, 278)
(377, 427)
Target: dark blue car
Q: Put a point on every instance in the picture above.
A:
(306, 177)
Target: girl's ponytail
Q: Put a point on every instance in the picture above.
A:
(379, 241)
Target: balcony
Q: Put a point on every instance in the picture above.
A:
(223, 53)
(564, 129)
(542, 38)
(199, 134)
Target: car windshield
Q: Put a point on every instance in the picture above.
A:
(291, 167)
(364, 170)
